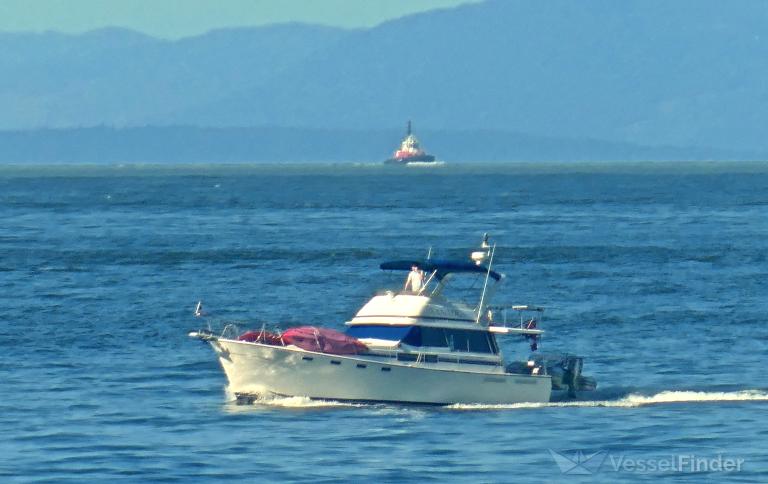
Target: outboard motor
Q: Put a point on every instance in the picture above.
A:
(572, 366)
(566, 374)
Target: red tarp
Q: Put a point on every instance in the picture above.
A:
(323, 340)
(264, 337)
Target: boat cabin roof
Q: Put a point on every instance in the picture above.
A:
(441, 267)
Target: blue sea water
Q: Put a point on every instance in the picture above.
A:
(656, 273)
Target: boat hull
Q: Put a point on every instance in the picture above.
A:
(411, 159)
(255, 369)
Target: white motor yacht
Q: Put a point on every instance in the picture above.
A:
(415, 346)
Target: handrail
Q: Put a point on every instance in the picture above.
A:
(431, 276)
(520, 327)
(230, 328)
(518, 307)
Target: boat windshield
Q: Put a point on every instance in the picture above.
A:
(462, 290)
(462, 340)
(373, 331)
(455, 339)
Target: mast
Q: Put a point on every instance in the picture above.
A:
(409, 128)
(485, 285)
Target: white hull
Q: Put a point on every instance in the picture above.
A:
(425, 163)
(256, 369)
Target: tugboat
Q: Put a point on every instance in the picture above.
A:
(410, 152)
(418, 345)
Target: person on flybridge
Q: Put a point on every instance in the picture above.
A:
(415, 279)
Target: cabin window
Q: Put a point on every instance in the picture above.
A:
(494, 344)
(476, 341)
(456, 339)
(420, 357)
(425, 336)
(435, 337)
(377, 331)
(466, 340)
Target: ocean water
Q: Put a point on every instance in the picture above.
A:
(656, 273)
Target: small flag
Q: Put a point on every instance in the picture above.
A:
(534, 343)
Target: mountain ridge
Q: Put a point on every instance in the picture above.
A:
(642, 72)
(191, 144)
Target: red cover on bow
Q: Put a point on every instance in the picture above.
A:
(323, 340)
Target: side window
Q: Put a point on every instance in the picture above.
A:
(494, 344)
(394, 333)
(470, 341)
(478, 342)
(414, 337)
(459, 340)
(434, 337)
(455, 339)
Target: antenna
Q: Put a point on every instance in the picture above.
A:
(429, 253)
(479, 255)
(409, 127)
(485, 285)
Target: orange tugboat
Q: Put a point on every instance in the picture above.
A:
(410, 152)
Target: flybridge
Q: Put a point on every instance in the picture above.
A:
(441, 267)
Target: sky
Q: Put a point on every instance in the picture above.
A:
(181, 18)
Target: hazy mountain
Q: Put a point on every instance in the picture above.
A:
(119, 77)
(688, 72)
(180, 144)
(644, 72)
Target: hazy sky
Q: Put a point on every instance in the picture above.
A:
(179, 18)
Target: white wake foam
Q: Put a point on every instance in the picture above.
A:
(635, 400)
(289, 402)
(630, 401)
(301, 402)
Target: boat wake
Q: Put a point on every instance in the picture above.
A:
(631, 400)
(635, 400)
(287, 402)
(302, 402)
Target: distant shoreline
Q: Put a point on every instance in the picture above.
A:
(189, 144)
